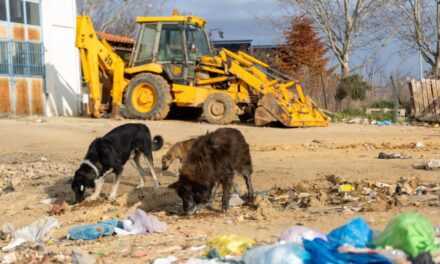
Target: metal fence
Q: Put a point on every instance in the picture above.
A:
(21, 58)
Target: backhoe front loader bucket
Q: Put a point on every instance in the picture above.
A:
(279, 97)
(294, 114)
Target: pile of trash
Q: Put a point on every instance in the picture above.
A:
(338, 194)
(367, 121)
(408, 238)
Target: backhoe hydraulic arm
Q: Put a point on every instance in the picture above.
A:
(96, 56)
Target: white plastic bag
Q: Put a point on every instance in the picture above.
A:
(297, 234)
(36, 232)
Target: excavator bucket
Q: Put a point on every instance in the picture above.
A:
(279, 98)
(296, 114)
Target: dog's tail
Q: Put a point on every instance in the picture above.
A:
(157, 143)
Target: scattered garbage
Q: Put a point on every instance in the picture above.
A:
(59, 207)
(419, 145)
(235, 200)
(336, 194)
(394, 255)
(230, 245)
(48, 201)
(137, 223)
(327, 252)
(141, 223)
(383, 155)
(202, 261)
(423, 258)
(8, 188)
(355, 233)
(384, 123)
(410, 232)
(36, 233)
(94, 231)
(346, 188)
(288, 253)
(297, 234)
(432, 164)
(81, 257)
(167, 260)
(9, 258)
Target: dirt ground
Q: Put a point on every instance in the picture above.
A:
(40, 156)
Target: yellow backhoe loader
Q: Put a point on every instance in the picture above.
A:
(172, 63)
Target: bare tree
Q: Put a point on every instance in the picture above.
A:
(345, 24)
(417, 24)
(119, 16)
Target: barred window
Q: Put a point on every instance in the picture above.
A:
(21, 58)
(3, 11)
(35, 62)
(33, 13)
(17, 12)
(4, 64)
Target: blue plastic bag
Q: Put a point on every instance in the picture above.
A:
(384, 123)
(95, 231)
(323, 252)
(289, 253)
(356, 233)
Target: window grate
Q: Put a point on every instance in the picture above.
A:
(21, 58)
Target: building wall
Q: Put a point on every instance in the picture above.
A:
(39, 64)
(63, 72)
(21, 65)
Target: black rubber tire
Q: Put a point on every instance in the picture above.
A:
(229, 113)
(161, 90)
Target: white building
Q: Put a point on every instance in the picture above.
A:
(39, 64)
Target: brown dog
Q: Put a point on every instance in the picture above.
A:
(178, 151)
(214, 159)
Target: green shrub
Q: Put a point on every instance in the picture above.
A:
(353, 86)
(383, 104)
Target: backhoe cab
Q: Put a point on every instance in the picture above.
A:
(173, 63)
(175, 43)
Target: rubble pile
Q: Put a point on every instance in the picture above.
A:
(338, 194)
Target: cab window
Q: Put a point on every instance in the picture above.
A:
(171, 43)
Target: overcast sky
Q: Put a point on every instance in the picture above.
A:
(256, 20)
(238, 19)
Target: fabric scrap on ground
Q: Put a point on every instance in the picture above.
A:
(141, 223)
(36, 232)
(94, 231)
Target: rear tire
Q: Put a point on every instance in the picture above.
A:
(148, 97)
(219, 108)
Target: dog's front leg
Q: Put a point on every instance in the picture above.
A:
(99, 183)
(115, 187)
(212, 196)
(153, 173)
(227, 186)
(141, 171)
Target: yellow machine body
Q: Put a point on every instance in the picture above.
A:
(231, 76)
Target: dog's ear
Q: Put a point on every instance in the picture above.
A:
(175, 185)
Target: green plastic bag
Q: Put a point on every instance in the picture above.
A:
(410, 232)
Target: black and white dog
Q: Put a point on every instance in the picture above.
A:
(109, 154)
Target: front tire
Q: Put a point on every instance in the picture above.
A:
(148, 97)
(219, 108)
